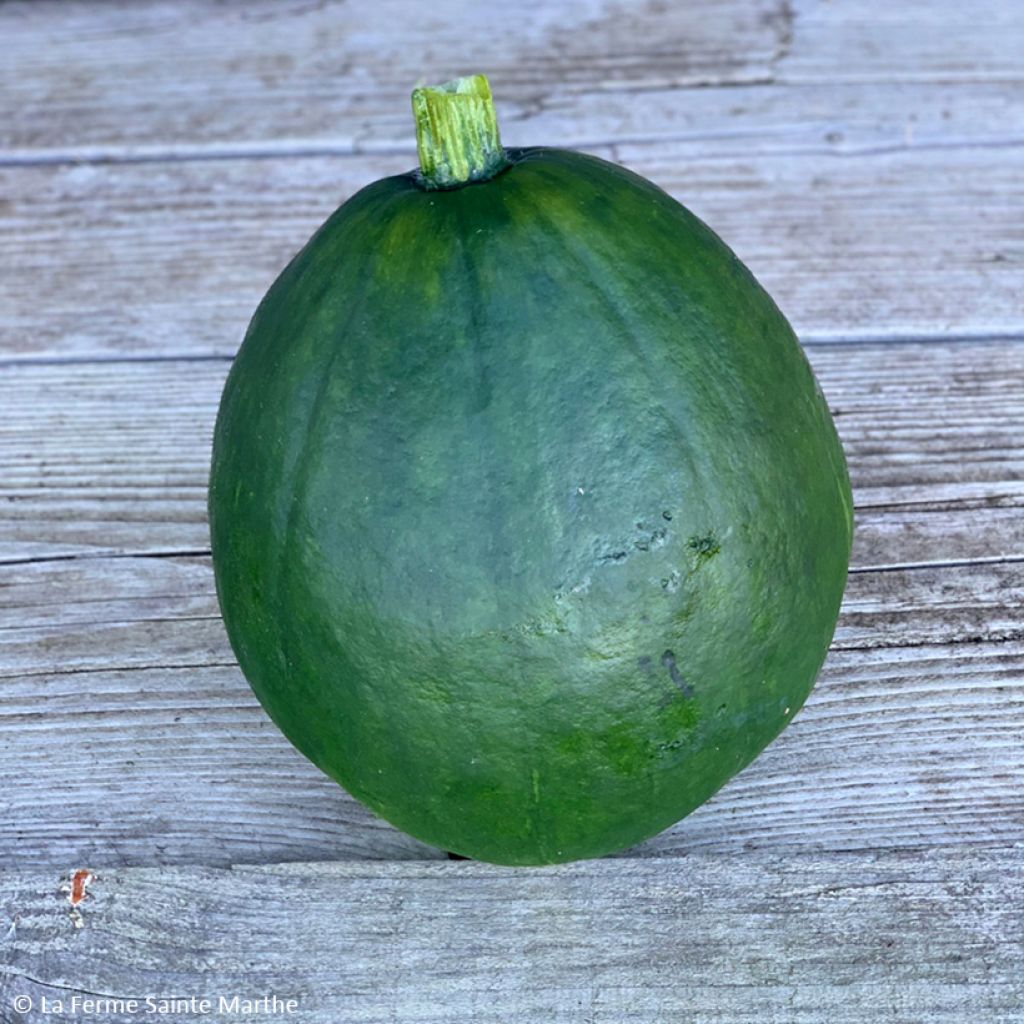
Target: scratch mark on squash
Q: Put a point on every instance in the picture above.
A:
(668, 660)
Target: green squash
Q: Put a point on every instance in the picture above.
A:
(529, 520)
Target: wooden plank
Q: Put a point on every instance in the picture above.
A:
(877, 244)
(81, 74)
(135, 738)
(171, 258)
(131, 80)
(852, 939)
(916, 40)
(113, 457)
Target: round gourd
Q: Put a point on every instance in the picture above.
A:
(530, 523)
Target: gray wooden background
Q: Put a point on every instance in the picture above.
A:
(159, 163)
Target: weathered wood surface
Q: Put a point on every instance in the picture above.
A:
(159, 162)
(853, 939)
(298, 72)
(170, 258)
(196, 78)
(867, 165)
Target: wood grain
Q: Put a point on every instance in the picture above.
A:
(171, 258)
(917, 40)
(779, 940)
(158, 79)
(866, 208)
(205, 74)
(86, 615)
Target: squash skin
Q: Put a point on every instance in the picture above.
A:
(530, 524)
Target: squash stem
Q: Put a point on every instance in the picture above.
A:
(457, 133)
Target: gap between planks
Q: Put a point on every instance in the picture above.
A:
(298, 150)
(958, 563)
